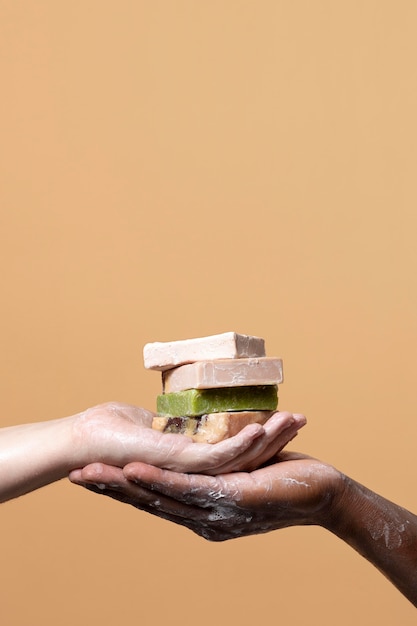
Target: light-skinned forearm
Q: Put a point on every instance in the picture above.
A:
(34, 455)
(381, 531)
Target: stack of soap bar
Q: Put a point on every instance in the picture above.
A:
(214, 386)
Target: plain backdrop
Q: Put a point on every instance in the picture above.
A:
(174, 169)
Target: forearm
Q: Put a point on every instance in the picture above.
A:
(34, 455)
(381, 531)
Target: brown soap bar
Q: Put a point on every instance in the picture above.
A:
(223, 373)
(212, 427)
(166, 355)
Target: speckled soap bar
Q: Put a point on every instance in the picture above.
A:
(195, 402)
(210, 428)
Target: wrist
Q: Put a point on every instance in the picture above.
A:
(78, 451)
(345, 508)
(337, 497)
(55, 448)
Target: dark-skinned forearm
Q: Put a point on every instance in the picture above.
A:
(381, 531)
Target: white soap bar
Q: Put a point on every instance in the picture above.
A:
(223, 373)
(166, 355)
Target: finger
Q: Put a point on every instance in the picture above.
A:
(278, 422)
(271, 451)
(286, 455)
(146, 500)
(193, 518)
(191, 489)
(75, 475)
(278, 431)
(110, 481)
(98, 474)
(203, 457)
(278, 443)
(101, 479)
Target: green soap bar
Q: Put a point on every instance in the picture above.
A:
(194, 402)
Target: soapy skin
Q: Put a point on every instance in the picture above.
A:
(34, 455)
(292, 490)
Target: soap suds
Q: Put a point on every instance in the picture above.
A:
(389, 526)
(220, 514)
(217, 494)
(389, 531)
(293, 481)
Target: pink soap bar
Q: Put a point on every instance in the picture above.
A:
(224, 373)
(166, 355)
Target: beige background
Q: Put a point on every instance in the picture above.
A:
(176, 169)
